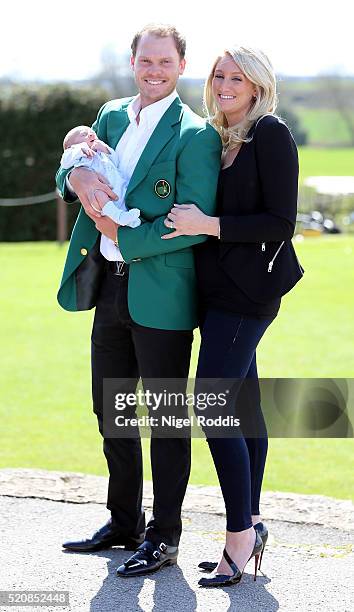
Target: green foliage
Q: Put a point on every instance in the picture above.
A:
(324, 106)
(33, 123)
(292, 121)
(325, 127)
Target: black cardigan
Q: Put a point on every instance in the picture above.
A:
(257, 220)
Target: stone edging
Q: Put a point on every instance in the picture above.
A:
(83, 488)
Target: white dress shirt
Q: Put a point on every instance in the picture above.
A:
(130, 147)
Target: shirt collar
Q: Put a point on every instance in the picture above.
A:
(151, 114)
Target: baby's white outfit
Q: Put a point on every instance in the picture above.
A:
(105, 164)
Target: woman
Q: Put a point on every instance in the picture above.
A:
(242, 273)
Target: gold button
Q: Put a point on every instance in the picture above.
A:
(83, 251)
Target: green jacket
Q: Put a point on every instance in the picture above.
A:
(184, 151)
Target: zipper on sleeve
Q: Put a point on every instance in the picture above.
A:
(263, 246)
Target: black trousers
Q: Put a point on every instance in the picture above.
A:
(228, 350)
(120, 348)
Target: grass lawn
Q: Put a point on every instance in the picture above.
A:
(325, 162)
(45, 409)
(325, 127)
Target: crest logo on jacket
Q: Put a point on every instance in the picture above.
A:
(162, 188)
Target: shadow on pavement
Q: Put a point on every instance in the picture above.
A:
(168, 589)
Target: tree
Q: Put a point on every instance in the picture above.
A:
(292, 121)
(115, 75)
(341, 99)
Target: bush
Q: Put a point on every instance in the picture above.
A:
(293, 123)
(33, 123)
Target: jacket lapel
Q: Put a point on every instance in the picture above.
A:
(117, 123)
(158, 139)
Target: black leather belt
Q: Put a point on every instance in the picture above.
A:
(118, 268)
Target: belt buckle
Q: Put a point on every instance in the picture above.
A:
(120, 268)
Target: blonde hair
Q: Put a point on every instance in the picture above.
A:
(256, 66)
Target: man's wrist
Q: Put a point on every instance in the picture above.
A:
(69, 185)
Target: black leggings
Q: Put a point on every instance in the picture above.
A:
(228, 350)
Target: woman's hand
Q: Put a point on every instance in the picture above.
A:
(189, 220)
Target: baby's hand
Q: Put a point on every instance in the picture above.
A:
(98, 145)
(86, 150)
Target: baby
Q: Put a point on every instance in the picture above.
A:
(83, 148)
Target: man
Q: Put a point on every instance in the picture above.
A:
(144, 292)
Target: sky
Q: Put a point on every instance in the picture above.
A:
(65, 40)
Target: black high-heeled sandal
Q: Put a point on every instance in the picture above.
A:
(209, 566)
(223, 579)
(263, 532)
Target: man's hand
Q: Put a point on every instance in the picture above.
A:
(108, 227)
(88, 186)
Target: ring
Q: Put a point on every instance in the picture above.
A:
(94, 208)
(171, 225)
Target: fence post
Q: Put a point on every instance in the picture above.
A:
(62, 219)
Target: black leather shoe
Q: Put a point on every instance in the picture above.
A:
(261, 529)
(109, 535)
(148, 558)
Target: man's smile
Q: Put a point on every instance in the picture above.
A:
(155, 82)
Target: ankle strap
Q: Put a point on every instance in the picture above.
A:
(231, 563)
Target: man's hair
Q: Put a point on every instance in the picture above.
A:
(162, 31)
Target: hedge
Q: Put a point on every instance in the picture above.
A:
(33, 123)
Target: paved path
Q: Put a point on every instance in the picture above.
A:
(306, 566)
